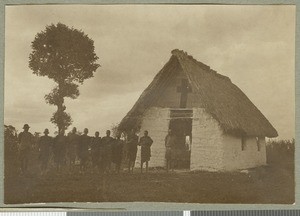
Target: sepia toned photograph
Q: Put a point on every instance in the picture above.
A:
(149, 103)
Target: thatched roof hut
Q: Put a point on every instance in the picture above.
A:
(223, 100)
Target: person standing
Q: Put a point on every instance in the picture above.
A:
(95, 149)
(26, 141)
(45, 144)
(84, 143)
(72, 147)
(117, 152)
(59, 150)
(132, 142)
(170, 142)
(145, 143)
(105, 162)
(107, 143)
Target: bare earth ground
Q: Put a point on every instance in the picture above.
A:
(269, 184)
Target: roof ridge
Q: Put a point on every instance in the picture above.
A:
(182, 55)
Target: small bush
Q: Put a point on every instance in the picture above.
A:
(11, 151)
(280, 152)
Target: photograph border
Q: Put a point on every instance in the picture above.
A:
(148, 206)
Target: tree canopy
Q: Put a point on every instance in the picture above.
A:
(67, 56)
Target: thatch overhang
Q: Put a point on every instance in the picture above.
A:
(223, 100)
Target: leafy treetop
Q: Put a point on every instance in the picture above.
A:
(63, 54)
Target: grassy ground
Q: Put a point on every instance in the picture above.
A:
(269, 184)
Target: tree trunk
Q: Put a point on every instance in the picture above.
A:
(60, 110)
(59, 119)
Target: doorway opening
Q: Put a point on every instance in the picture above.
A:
(181, 126)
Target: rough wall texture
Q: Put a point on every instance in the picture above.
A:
(211, 149)
(236, 158)
(207, 137)
(156, 121)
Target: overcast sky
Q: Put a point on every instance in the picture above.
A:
(253, 45)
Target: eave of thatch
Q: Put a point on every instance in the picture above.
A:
(223, 100)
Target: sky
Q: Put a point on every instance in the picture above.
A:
(253, 45)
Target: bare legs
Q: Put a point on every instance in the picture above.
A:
(170, 165)
(130, 166)
(142, 163)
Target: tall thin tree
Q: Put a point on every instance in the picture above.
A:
(67, 56)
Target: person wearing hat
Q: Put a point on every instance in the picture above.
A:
(25, 140)
(45, 143)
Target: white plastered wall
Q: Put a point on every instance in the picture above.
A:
(211, 150)
(207, 137)
(235, 158)
(156, 122)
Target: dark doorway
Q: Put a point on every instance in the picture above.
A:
(181, 126)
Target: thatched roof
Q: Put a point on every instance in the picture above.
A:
(214, 92)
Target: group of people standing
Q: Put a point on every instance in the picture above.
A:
(81, 150)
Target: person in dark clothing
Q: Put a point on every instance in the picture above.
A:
(132, 142)
(83, 150)
(59, 150)
(106, 152)
(26, 141)
(72, 147)
(170, 142)
(95, 149)
(45, 144)
(117, 152)
(145, 143)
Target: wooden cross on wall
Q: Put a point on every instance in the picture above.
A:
(184, 89)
